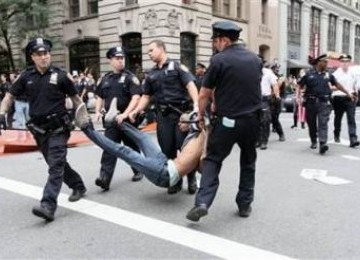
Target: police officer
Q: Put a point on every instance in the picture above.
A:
(125, 86)
(199, 74)
(342, 104)
(174, 92)
(234, 75)
(46, 88)
(317, 83)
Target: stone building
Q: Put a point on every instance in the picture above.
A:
(82, 30)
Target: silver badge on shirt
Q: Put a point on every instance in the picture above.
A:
(54, 78)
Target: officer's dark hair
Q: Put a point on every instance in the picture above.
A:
(159, 44)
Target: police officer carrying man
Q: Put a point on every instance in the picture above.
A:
(46, 87)
(317, 101)
(234, 74)
(172, 86)
(342, 104)
(125, 86)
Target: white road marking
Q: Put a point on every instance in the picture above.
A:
(200, 241)
(350, 157)
(321, 176)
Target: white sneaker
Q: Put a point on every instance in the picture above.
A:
(82, 118)
(112, 113)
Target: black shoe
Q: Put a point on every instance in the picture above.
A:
(197, 212)
(303, 125)
(293, 126)
(103, 183)
(77, 194)
(282, 138)
(263, 146)
(137, 176)
(354, 143)
(337, 139)
(176, 188)
(323, 148)
(273, 130)
(313, 146)
(192, 184)
(43, 212)
(257, 144)
(245, 210)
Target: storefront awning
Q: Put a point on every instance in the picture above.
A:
(296, 64)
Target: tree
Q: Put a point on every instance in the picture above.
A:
(20, 19)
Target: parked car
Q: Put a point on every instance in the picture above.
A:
(289, 101)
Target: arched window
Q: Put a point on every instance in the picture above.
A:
(84, 56)
(188, 50)
(131, 43)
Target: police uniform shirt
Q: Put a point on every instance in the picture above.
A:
(317, 83)
(346, 79)
(45, 92)
(235, 74)
(120, 85)
(268, 80)
(168, 84)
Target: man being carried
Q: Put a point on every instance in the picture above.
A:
(153, 163)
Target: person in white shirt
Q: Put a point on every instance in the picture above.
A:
(343, 104)
(269, 85)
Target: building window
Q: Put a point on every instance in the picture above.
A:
(37, 18)
(187, 50)
(332, 33)
(226, 7)
(84, 56)
(215, 6)
(357, 44)
(186, 2)
(74, 7)
(239, 9)
(315, 32)
(346, 37)
(131, 43)
(130, 2)
(294, 17)
(92, 7)
(264, 11)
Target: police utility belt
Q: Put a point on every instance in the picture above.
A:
(170, 108)
(50, 124)
(316, 99)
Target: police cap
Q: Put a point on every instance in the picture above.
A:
(199, 64)
(226, 29)
(322, 57)
(38, 44)
(345, 57)
(115, 52)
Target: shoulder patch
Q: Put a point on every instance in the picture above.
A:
(184, 68)
(135, 80)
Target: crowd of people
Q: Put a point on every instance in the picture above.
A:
(199, 118)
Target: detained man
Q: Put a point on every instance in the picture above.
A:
(151, 161)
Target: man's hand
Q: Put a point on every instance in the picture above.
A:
(2, 122)
(133, 115)
(120, 118)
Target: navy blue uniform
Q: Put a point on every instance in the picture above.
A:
(317, 103)
(50, 124)
(121, 86)
(167, 85)
(235, 75)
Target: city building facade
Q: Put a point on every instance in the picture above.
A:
(312, 27)
(83, 30)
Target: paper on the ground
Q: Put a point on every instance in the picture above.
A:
(310, 174)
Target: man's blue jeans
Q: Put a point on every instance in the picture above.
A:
(152, 162)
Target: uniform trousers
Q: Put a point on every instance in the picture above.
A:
(108, 161)
(317, 118)
(275, 108)
(54, 150)
(343, 105)
(219, 146)
(265, 121)
(169, 136)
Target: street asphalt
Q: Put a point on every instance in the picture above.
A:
(292, 216)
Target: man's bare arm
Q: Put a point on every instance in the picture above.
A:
(6, 103)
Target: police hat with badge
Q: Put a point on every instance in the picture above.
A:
(345, 57)
(322, 57)
(38, 45)
(115, 52)
(226, 29)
